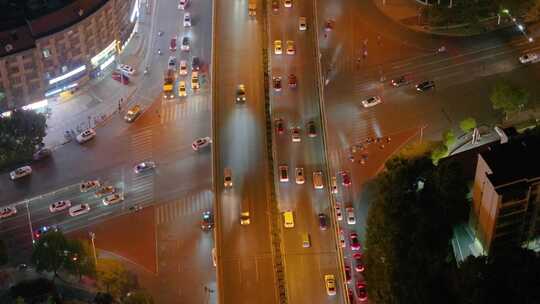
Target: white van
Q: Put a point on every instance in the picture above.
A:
(318, 180)
(306, 240)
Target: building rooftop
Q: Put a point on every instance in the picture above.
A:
(21, 26)
(516, 161)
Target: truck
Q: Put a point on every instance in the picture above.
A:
(168, 84)
(252, 8)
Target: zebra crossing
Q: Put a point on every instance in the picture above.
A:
(171, 111)
(141, 144)
(142, 189)
(188, 205)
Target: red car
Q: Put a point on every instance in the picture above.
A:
(292, 81)
(361, 292)
(345, 178)
(358, 263)
(355, 243)
(275, 5)
(351, 295)
(279, 126)
(172, 47)
(123, 79)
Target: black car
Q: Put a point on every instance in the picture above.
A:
(207, 221)
(195, 64)
(323, 221)
(400, 81)
(425, 86)
(42, 153)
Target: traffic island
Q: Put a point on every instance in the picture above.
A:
(129, 237)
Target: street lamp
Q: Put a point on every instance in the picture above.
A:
(93, 237)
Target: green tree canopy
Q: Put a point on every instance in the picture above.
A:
(409, 227)
(113, 278)
(82, 261)
(467, 125)
(511, 277)
(508, 98)
(51, 252)
(20, 135)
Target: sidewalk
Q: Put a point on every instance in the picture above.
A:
(94, 103)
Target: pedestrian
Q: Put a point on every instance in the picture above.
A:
(157, 113)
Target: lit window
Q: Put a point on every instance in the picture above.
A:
(46, 53)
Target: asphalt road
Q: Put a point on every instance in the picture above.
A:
(163, 133)
(245, 270)
(464, 76)
(305, 267)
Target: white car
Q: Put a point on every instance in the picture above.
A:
(86, 135)
(144, 166)
(334, 185)
(187, 20)
(351, 219)
(318, 180)
(277, 47)
(112, 199)
(342, 241)
(89, 185)
(200, 143)
(59, 206)
(7, 211)
(291, 49)
(287, 3)
(371, 102)
(183, 68)
(185, 43)
(339, 215)
(20, 172)
(127, 69)
(79, 209)
(528, 58)
(283, 173)
(182, 89)
(302, 23)
(182, 4)
(330, 284)
(300, 178)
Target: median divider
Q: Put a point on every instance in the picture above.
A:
(272, 206)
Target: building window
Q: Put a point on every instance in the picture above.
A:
(46, 53)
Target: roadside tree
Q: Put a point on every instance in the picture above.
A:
(138, 297)
(51, 252)
(114, 279)
(20, 135)
(508, 98)
(409, 227)
(467, 124)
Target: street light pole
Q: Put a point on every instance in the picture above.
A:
(93, 237)
(30, 223)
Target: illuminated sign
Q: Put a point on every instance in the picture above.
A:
(67, 75)
(135, 12)
(56, 91)
(104, 53)
(36, 105)
(107, 63)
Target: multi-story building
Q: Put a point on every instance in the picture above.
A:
(506, 195)
(62, 49)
